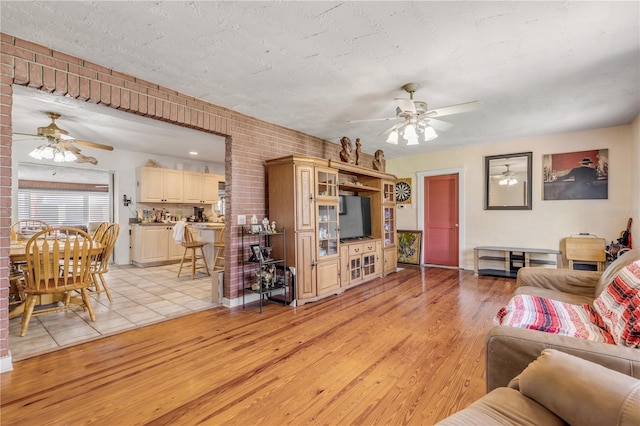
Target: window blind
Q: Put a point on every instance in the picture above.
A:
(63, 208)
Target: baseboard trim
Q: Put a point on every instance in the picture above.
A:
(6, 363)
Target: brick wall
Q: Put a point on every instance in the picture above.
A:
(249, 141)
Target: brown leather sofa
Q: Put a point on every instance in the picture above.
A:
(557, 389)
(511, 349)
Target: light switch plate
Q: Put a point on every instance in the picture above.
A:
(242, 219)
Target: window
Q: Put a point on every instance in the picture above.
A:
(64, 197)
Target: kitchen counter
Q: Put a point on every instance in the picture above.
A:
(201, 225)
(207, 225)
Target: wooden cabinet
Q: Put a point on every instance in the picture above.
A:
(200, 188)
(159, 185)
(303, 190)
(363, 264)
(154, 245)
(389, 229)
(304, 196)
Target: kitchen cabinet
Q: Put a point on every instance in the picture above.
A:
(158, 185)
(201, 188)
(154, 245)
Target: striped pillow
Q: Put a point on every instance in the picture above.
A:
(552, 316)
(619, 306)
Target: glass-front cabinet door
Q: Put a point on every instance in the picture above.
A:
(326, 183)
(327, 229)
(389, 225)
(389, 192)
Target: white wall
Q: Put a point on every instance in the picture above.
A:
(549, 221)
(123, 164)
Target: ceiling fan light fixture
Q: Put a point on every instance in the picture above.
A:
(36, 153)
(429, 133)
(393, 138)
(69, 156)
(508, 181)
(412, 141)
(52, 151)
(410, 133)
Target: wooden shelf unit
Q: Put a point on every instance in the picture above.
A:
(304, 197)
(506, 261)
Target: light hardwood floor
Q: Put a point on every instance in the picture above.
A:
(406, 349)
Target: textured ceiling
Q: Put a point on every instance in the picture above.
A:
(538, 67)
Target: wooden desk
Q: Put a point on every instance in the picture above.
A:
(17, 255)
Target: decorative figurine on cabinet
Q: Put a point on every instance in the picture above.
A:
(265, 225)
(273, 227)
(358, 146)
(378, 160)
(346, 155)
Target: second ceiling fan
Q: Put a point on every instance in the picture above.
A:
(59, 145)
(414, 118)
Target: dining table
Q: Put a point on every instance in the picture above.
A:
(18, 259)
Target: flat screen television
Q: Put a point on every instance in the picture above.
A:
(355, 217)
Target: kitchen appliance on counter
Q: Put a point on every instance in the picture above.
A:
(198, 215)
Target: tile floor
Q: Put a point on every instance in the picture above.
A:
(141, 296)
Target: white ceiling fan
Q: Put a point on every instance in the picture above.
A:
(507, 177)
(414, 118)
(59, 146)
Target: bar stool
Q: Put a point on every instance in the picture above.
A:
(218, 262)
(191, 254)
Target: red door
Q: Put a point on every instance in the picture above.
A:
(441, 220)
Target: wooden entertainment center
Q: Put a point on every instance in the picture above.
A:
(304, 198)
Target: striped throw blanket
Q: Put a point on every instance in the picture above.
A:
(552, 316)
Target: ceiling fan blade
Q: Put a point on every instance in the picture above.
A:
(439, 125)
(93, 145)
(86, 159)
(27, 134)
(455, 109)
(406, 105)
(371, 119)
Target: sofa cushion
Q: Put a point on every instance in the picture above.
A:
(552, 316)
(571, 298)
(581, 392)
(619, 306)
(503, 406)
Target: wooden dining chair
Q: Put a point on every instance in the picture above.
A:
(57, 263)
(100, 264)
(99, 231)
(23, 229)
(193, 252)
(218, 262)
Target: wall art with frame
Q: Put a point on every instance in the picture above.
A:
(409, 247)
(580, 175)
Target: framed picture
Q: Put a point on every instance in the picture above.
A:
(580, 175)
(256, 253)
(256, 228)
(409, 247)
